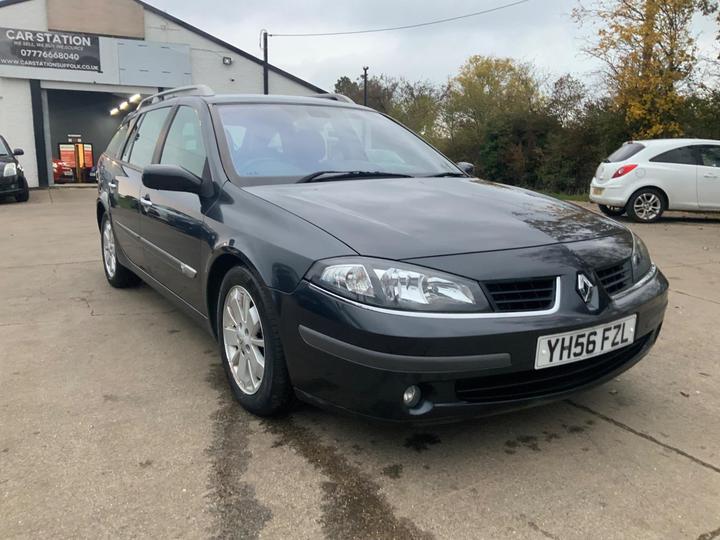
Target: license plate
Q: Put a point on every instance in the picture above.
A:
(597, 190)
(568, 347)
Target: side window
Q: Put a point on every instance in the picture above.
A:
(143, 144)
(131, 139)
(710, 156)
(683, 156)
(184, 143)
(117, 141)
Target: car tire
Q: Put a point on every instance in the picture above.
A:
(248, 335)
(25, 195)
(646, 205)
(117, 275)
(612, 211)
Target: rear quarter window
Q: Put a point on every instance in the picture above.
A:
(685, 155)
(625, 152)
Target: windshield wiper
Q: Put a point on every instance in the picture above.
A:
(447, 173)
(323, 176)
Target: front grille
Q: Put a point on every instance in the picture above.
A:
(529, 384)
(616, 278)
(525, 295)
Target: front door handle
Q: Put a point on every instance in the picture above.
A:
(708, 175)
(112, 185)
(147, 203)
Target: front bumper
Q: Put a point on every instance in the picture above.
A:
(359, 360)
(11, 185)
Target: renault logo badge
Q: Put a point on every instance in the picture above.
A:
(585, 287)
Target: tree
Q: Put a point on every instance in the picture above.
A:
(648, 54)
(493, 118)
(417, 105)
(566, 100)
(381, 91)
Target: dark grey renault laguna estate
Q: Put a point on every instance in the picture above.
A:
(337, 257)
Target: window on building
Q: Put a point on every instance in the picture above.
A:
(184, 143)
(142, 145)
(684, 155)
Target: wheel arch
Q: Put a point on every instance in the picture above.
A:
(217, 270)
(100, 210)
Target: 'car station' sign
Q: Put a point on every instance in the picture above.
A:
(46, 49)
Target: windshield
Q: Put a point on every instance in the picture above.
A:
(282, 143)
(4, 148)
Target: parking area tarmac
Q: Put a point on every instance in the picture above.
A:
(116, 421)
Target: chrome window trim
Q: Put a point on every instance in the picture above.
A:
(425, 315)
(641, 282)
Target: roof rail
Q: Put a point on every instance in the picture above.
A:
(196, 90)
(334, 97)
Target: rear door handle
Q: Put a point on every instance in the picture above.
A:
(112, 185)
(147, 203)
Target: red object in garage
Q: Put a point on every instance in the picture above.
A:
(62, 172)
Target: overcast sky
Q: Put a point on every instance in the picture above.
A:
(539, 31)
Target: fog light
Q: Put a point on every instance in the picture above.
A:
(411, 396)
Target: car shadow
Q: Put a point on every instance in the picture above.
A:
(559, 427)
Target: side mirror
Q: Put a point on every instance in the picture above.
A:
(467, 168)
(171, 178)
(18, 152)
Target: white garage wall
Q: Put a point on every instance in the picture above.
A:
(16, 123)
(31, 15)
(242, 77)
(282, 85)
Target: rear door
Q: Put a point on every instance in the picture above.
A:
(138, 153)
(171, 222)
(709, 177)
(124, 197)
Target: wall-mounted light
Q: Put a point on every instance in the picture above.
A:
(114, 111)
(227, 60)
(124, 105)
(135, 98)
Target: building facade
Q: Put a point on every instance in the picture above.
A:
(66, 64)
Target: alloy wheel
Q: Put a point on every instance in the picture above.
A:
(243, 340)
(108, 245)
(647, 206)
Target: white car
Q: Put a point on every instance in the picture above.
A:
(645, 178)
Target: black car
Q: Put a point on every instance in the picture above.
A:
(12, 177)
(339, 258)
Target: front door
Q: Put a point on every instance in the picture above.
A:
(709, 177)
(171, 222)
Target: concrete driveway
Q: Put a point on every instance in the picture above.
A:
(116, 421)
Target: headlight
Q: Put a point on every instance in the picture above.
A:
(10, 169)
(641, 261)
(396, 285)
